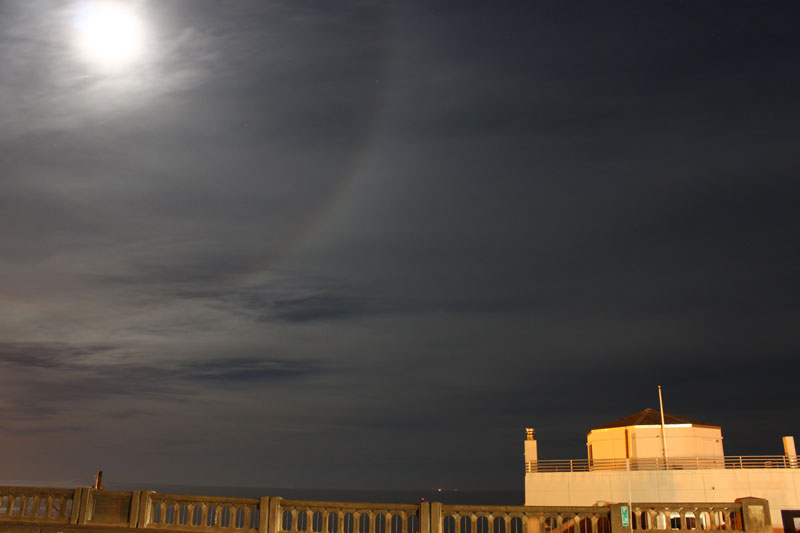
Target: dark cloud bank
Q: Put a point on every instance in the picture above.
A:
(365, 245)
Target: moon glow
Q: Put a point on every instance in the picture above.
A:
(109, 35)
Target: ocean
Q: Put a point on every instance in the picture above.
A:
(447, 496)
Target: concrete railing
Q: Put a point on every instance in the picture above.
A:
(687, 516)
(27, 504)
(346, 517)
(659, 463)
(40, 510)
(519, 519)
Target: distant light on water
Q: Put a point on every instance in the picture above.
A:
(110, 35)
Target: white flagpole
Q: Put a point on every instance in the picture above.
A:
(663, 432)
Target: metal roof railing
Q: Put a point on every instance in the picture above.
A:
(659, 463)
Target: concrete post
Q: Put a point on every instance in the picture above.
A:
(616, 518)
(145, 508)
(263, 514)
(425, 517)
(436, 517)
(83, 510)
(133, 514)
(755, 515)
(274, 517)
(77, 498)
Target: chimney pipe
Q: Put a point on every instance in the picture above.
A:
(789, 451)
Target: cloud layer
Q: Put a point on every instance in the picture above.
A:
(366, 245)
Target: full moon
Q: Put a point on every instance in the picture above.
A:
(109, 34)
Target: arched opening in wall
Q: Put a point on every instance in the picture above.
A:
(183, 514)
(380, 523)
(603, 524)
(661, 520)
(333, 522)
(499, 524)
(721, 518)
(3, 505)
(316, 522)
(705, 521)
(238, 518)
(68, 509)
(363, 524)
(674, 520)
(482, 525)
(585, 524)
(42, 510)
(211, 515)
(55, 510)
(349, 523)
(197, 515)
(642, 520)
(225, 516)
(29, 506)
(254, 518)
(549, 525)
(169, 514)
(449, 524)
(16, 507)
(574, 525)
(396, 524)
(516, 525)
(302, 521)
(689, 519)
(286, 521)
(413, 524)
(466, 524)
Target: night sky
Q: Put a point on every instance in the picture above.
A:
(363, 244)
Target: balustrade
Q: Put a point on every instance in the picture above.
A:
(201, 513)
(30, 504)
(523, 519)
(687, 517)
(28, 507)
(347, 517)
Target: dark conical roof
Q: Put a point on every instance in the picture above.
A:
(651, 417)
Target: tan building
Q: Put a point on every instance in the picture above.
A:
(629, 458)
(638, 436)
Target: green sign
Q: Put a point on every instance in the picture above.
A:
(626, 517)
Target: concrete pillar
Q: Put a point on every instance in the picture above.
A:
(616, 518)
(77, 499)
(789, 451)
(263, 514)
(274, 518)
(425, 517)
(531, 450)
(755, 515)
(145, 508)
(83, 510)
(436, 518)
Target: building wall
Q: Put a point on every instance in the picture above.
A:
(780, 486)
(645, 441)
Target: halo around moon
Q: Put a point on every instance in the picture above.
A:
(109, 34)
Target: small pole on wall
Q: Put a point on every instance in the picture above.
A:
(98, 480)
(630, 498)
(663, 432)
